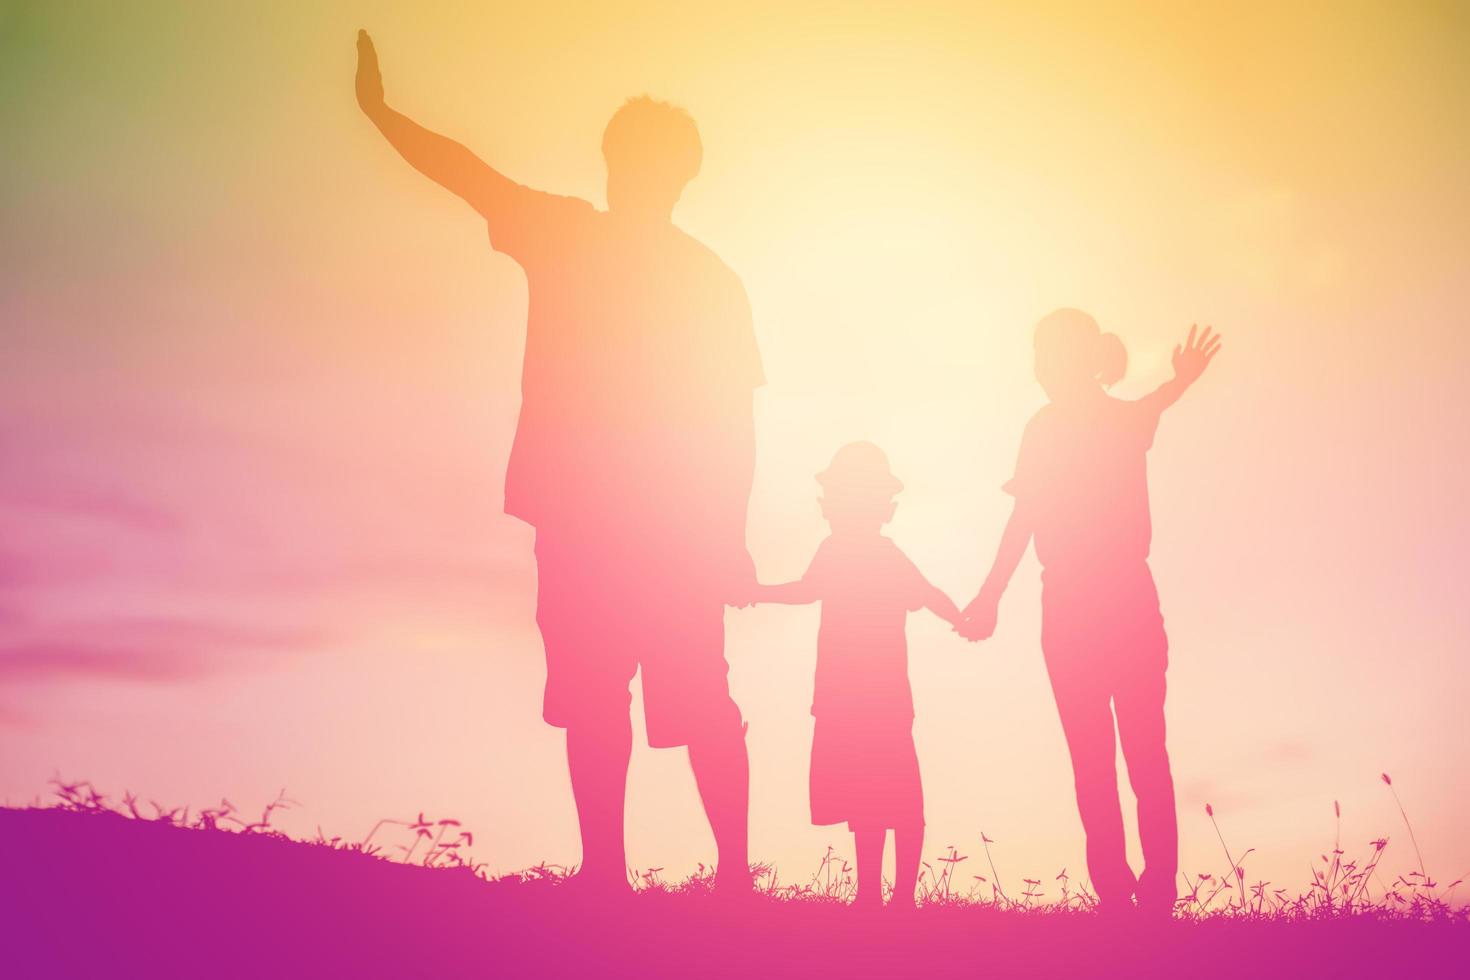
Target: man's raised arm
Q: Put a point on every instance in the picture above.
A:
(439, 158)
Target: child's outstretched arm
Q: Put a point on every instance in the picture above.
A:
(1190, 360)
(937, 601)
(797, 593)
(981, 614)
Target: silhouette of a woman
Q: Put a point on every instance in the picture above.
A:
(1081, 490)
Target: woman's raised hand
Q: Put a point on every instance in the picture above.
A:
(1194, 355)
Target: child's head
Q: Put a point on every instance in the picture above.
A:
(858, 490)
(1074, 356)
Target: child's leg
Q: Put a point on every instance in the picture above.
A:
(908, 847)
(869, 842)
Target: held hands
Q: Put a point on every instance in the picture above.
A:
(1194, 355)
(978, 620)
(369, 78)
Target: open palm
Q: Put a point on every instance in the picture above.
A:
(1194, 355)
(369, 78)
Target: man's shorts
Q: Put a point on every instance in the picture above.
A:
(604, 612)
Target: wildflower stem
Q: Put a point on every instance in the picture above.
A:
(1424, 872)
(1226, 848)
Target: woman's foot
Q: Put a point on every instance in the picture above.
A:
(1154, 911)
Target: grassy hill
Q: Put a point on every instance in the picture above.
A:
(97, 893)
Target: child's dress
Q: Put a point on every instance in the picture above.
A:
(865, 770)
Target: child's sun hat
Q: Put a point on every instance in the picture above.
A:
(862, 467)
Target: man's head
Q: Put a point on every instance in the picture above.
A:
(652, 150)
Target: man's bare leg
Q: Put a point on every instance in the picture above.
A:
(722, 772)
(597, 757)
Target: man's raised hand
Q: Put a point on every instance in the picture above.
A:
(1194, 355)
(369, 78)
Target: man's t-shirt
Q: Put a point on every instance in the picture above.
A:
(1083, 474)
(640, 362)
(867, 588)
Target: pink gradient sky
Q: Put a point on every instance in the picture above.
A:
(259, 382)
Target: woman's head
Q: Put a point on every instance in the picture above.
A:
(1074, 356)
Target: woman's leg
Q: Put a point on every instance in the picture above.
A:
(869, 843)
(1140, 705)
(1087, 720)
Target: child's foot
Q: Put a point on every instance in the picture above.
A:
(867, 903)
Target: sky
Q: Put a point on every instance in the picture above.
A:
(259, 383)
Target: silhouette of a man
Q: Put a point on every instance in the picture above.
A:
(632, 458)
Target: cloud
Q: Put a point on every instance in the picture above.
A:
(39, 568)
(1293, 751)
(46, 661)
(1225, 797)
(142, 649)
(1267, 765)
(94, 504)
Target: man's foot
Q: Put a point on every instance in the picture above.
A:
(867, 903)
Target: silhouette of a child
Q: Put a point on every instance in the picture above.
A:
(865, 769)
